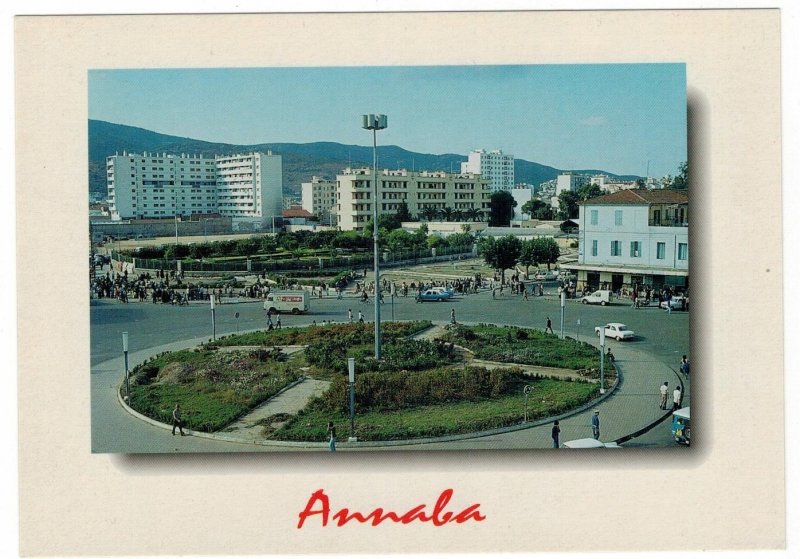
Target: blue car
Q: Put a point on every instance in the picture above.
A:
(435, 294)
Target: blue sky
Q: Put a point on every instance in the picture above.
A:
(615, 117)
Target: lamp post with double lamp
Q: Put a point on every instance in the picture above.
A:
(127, 376)
(602, 358)
(563, 305)
(375, 122)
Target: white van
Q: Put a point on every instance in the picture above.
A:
(295, 302)
(601, 296)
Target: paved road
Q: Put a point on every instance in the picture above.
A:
(664, 337)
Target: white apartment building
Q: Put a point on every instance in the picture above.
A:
(419, 190)
(633, 237)
(319, 199)
(568, 181)
(244, 187)
(250, 186)
(160, 185)
(494, 165)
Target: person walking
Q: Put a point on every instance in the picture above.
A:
(361, 317)
(349, 315)
(677, 398)
(549, 326)
(331, 436)
(177, 420)
(596, 425)
(664, 392)
(278, 323)
(555, 434)
(452, 316)
(524, 293)
(685, 366)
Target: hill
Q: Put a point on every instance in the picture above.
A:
(300, 161)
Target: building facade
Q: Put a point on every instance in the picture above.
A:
(319, 197)
(570, 182)
(418, 190)
(494, 165)
(146, 186)
(633, 237)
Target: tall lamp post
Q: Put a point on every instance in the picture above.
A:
(351, 374)
(375, 123)
(125, 353)
(213, 320)
(602, 358)
(563, 305)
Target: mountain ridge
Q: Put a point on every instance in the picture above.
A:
(300, 161)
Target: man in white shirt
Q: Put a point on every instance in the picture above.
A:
(664, 391)
(677, 397)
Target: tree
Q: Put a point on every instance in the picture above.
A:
(402, 213)
(681, 181)
(538, 209)
(429, 213)
(589, 191)
(446, 214)
(568, 205)
(502, 253)
(547, 251)
(501, 208)
(527, 254)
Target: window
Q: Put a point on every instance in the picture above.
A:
(661, 249)
(617, 217)
(594, 217)
(594, 247)
(636, 249)
(683, 251)
(616, 249)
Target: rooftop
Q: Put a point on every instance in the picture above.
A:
(640, 197)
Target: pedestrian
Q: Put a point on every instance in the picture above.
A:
(524, 293)
(610, 356)
(278, 323)
(549, 326)
(494, 293)
(555, 433)
(452, 316)
(361, 317)
(677, 398)
(349, 315)
(339, 293)
(596, 425)
(685, 366)
(664, 392)
(177, 419)
(331, 436)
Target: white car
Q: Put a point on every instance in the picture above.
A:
(677, 302)
(616, 330)
(589, 443)
(545, 276)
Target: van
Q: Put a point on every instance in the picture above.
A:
(601, 296)
(295, 302)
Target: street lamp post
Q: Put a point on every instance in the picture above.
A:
(127, 381)
(213, 320)
(563, 305)
(351, 370)
(602, 358)
(375, 122)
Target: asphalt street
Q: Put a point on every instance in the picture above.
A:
(661, 336)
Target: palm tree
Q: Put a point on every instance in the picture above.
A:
(429, 213)
(446, 214)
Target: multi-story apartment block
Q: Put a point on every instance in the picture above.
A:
(569, 181)
(243, 187)
(633, 237)
(250, 186)
(494, 165)
(160, 185)
(319, 199)
(467, 192)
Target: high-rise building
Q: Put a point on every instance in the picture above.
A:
(494, 165)
(467, 193)
(319, 199)
(244, 187)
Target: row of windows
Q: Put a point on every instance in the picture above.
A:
(636, 249)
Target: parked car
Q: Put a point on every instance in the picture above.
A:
(435, 294)
(616, 330)
(589, 443)
(545, 275)
(601, 296)
(295, 302)
(677, 302)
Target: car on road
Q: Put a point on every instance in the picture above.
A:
(589, 443)
(601, 297)
(616, 330)
(435, 294)
(545, 275)
(677, 302)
